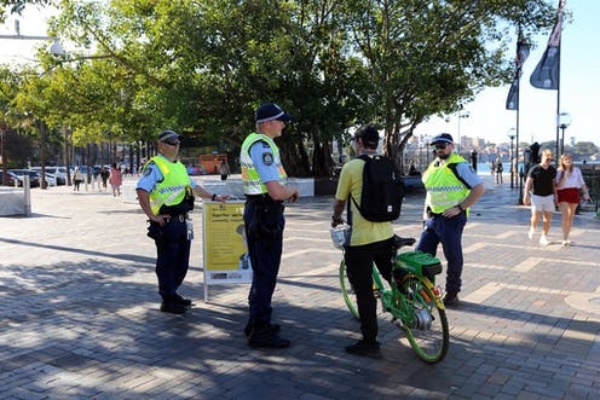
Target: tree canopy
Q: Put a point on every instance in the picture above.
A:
(202, 67)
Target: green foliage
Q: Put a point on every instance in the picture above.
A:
(17, 6)
(202, 67)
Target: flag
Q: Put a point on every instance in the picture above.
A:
(512, 101)
(547, 73)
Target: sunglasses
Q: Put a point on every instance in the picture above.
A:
(170, 143)
(440, 146)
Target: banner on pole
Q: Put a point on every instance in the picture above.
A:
(512, 101)
(547, 73)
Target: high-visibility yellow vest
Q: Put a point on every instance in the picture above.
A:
(444, 189)
(172, 189)
(250, 178)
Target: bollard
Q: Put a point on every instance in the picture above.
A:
(26, 196)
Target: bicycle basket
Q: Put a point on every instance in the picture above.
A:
(339, 235)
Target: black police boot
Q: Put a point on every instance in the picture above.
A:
(172, 306)
(184, 302)
(263, 335)
(451, 299)
(248, 328)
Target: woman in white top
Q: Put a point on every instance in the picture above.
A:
(568, 182)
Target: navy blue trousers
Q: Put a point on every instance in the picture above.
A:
(448, 232)
(264, 226)
(173, 259)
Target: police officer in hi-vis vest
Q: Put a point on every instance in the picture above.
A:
(264, 181)
(166, 194)
(452, 187)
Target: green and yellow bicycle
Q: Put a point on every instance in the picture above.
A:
(412, 299)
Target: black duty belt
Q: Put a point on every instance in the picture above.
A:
(179, 217)
(258, 196)
(431, 214)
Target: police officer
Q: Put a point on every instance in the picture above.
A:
(166, 194)
(452, 187)
(264, 180)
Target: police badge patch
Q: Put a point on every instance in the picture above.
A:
(267, 158)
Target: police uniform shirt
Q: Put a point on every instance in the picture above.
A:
(152, 175)
(468, 174)
(264, 162)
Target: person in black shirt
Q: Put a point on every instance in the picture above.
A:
(540, 192)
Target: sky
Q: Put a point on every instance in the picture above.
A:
(488, 118)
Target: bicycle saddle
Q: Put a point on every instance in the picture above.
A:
(401, 242)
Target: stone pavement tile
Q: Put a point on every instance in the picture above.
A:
(81, 315)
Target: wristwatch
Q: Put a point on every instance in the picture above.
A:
(460, 207)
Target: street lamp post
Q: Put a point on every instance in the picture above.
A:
(564, 120)
(460, 115)
(512, 156)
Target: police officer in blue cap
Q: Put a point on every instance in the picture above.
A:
(166, 194)
(452, 187)
(265, 187)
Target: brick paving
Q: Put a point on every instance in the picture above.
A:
(80, 319)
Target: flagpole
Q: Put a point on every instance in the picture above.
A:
(558, 108)
(516, 166)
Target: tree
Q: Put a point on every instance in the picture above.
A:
(203, 67)
(17, 6)
(428, 58)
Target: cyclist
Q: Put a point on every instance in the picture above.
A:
(370, 242)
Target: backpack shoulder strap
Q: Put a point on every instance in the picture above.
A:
(366, 159)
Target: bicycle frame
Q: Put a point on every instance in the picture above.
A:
(412, 300)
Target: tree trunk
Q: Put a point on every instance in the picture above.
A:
(293, 156)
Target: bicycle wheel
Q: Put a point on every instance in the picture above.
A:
(348, 291)
(424, 322)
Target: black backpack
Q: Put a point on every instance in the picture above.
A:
(382, 191)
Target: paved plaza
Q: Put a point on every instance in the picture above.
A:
(80, 319)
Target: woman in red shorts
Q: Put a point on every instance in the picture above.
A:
(568, 182)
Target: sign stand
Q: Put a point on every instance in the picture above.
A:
(225, 255)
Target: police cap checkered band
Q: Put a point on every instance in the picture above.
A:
(442, 138)
(270, 112)
(168, 135)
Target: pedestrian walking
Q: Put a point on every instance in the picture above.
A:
(224, 170)
(499, 171)
(104, 175)
(115, 179)
(452, 188)
(569, 180)
(541, 194)
(77, 179)
(265, 187)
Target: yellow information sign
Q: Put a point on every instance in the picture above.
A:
(226, 257)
